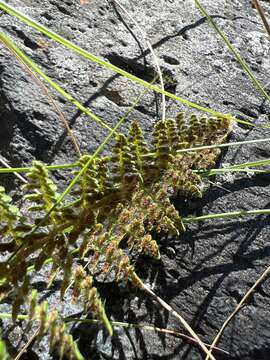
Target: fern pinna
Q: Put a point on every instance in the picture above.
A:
(122, 196)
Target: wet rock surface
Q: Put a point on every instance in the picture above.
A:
(206, 272)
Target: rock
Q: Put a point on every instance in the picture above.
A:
(204, 273)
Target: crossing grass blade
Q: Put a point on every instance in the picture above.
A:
(89, 56)
(232, 49)
(29, 63)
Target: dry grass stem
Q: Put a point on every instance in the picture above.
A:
(155, 58)
(239, 306)
(181, 319)
(27, 345)
(15, 173)
(51, 100)
(262, 15)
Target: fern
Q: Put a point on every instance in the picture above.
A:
(124, 196)
(50, 323)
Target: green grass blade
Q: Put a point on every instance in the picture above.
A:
(244, 167)
(3, 351)
(215, 146)
(251, 164)
(9, 316)
(230, 170)
(237, 56)
(240, 213)
(27, 20)
(52, 102)
(240, 166)
(27, 169)
(28, 62)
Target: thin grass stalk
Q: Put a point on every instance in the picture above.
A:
(179, 317)
(244, 167)
(28, 62)
(237, 56)
(230, 214)
(249, 164)
(18, 14)
(154, 56)
(239, 306)
(145, 327)
(227, 169)
(262, 15)
(48, 167)
(216, 146)
(10, 170)
(123, 325)
(14, 172)
(50, 98)
(27, 345)
(223, 171)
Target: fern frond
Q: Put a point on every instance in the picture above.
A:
(8, 213)
(118, 204)
(11, 222)
(50, 323)
(42, 190)
(83, 288)
(124, 169)
(138, 146)
(21, 293)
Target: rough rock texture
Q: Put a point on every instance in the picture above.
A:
(205, 273)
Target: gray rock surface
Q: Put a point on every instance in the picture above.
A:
(205, 273)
